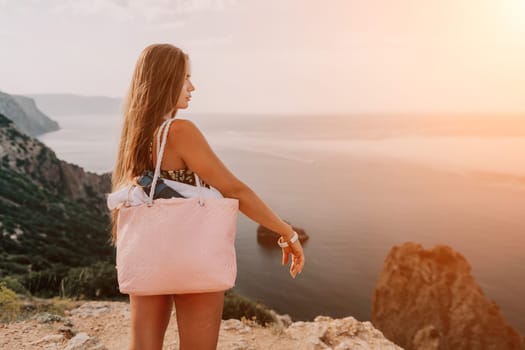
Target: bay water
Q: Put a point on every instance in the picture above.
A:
(358, 185)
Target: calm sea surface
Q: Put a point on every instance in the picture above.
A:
(358, 187)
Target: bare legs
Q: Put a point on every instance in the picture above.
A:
(198, 319)
(150, 316)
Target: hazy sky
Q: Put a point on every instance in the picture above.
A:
(279, 56)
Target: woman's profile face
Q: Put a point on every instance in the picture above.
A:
(185, 94)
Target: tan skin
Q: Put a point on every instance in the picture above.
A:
(199, 314)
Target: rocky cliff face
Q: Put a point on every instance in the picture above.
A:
(28, 156)
(428, 299)
(26, 115)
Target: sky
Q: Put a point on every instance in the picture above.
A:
(279, 56)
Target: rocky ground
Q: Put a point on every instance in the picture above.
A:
(98, 325)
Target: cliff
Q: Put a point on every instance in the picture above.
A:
(106, 325)
(29, 157)
(26, 115)
(428, 299)
(53, 219)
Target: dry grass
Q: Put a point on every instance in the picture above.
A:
(16, 307)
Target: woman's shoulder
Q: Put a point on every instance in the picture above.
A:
(184, 129)
(177, 129)
(183, 125)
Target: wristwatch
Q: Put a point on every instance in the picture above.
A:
(284, 244)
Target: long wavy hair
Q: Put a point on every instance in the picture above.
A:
(155, 87)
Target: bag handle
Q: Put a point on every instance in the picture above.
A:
(164, 128)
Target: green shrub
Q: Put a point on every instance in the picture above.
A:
(4, 121)
(236, 306)
(45, 283)
(14, 284)
(55, 305)
(9, 304)
(13, 267)
(95, 281)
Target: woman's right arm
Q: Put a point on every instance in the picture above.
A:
(192, 146)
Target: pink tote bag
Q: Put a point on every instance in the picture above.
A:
(176, 245)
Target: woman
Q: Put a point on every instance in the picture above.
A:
(161, 86)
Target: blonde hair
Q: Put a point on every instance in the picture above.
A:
(155, 87)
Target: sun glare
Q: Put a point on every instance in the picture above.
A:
(514, 13)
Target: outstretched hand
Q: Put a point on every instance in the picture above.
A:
(297, 257)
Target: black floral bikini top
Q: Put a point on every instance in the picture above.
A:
(182, 175)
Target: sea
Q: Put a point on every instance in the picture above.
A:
(358, 185)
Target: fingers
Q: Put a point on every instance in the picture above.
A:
(297, 259)
(297, 265)
(285, 257)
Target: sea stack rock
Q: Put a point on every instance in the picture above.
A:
(428, 299)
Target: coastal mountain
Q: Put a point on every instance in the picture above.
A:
(428, 299)
(72, 105)
(28, 157)
(53, 220)
(26, 115)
